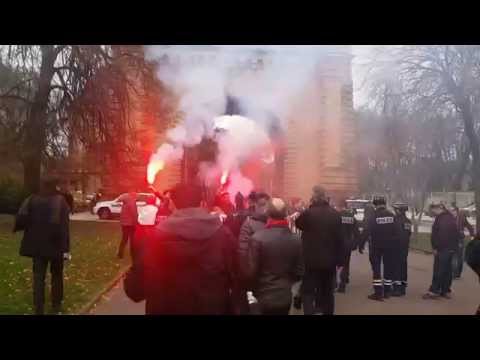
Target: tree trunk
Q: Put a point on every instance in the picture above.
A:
(471, 134)
(35, 138)
(462, 169)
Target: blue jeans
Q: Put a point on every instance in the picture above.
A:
(458, 260)
(442, 272)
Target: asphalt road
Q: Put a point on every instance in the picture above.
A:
(425, 227)
(466, 294)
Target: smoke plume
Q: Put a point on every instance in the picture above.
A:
(203, 86)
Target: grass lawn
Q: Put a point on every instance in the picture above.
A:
(92, 267)
(422, 242)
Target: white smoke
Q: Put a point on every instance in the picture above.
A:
(265, 98)
(240, 140)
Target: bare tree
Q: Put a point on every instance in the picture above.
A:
(74, 92)
(447, 78)
(413, 146)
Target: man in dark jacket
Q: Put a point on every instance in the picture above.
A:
(44, 218)
(323, 253)
(189, 265)
(368, 213)
(235, 219)
(64, 190)
(462, 224)
(444, 240)
(276, 262)
(472, 255)
(401, 252)
(256, 220)
(382, 234)
(351, 238)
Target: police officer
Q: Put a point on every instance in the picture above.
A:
(369, 212)
(350, 236)
(382, 237)
(404, 228)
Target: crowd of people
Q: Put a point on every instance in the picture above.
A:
(244, 258)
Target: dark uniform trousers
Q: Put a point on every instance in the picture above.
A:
(39, 272)
(345, 272)
(318, 291)
(401, 267)
(382, 285)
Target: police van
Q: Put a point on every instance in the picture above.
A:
(358, 207)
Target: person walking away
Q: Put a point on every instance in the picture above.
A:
(323, 253)
(254, 222)
(165, 209)
(63, 189)
(369, 212)
(44, 219)
(128, 221)
(444, 239)
(472, 257)
(351, 238)
(276, 262)
(234, 220)
(189, 265)
(462, 224)
(97, 197)
(382, 234)
(401, 252)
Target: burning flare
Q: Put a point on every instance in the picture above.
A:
(153, 168)
(224, 178)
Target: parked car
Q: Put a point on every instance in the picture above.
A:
(470, 210)
(107, 210)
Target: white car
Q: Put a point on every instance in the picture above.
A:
(470, 210)
(109, 209)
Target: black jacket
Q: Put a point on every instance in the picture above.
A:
(404, 226)
(251, 225)
(276, 265)
(381, 230)
(369, 212)
(235, 221)
(188, 266)
(45, 221)
(350, 232)
(444, 232)
(69, 200)
(322, 241)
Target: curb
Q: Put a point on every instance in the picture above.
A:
(86, 308)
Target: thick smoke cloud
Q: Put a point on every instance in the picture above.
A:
(264, 96)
